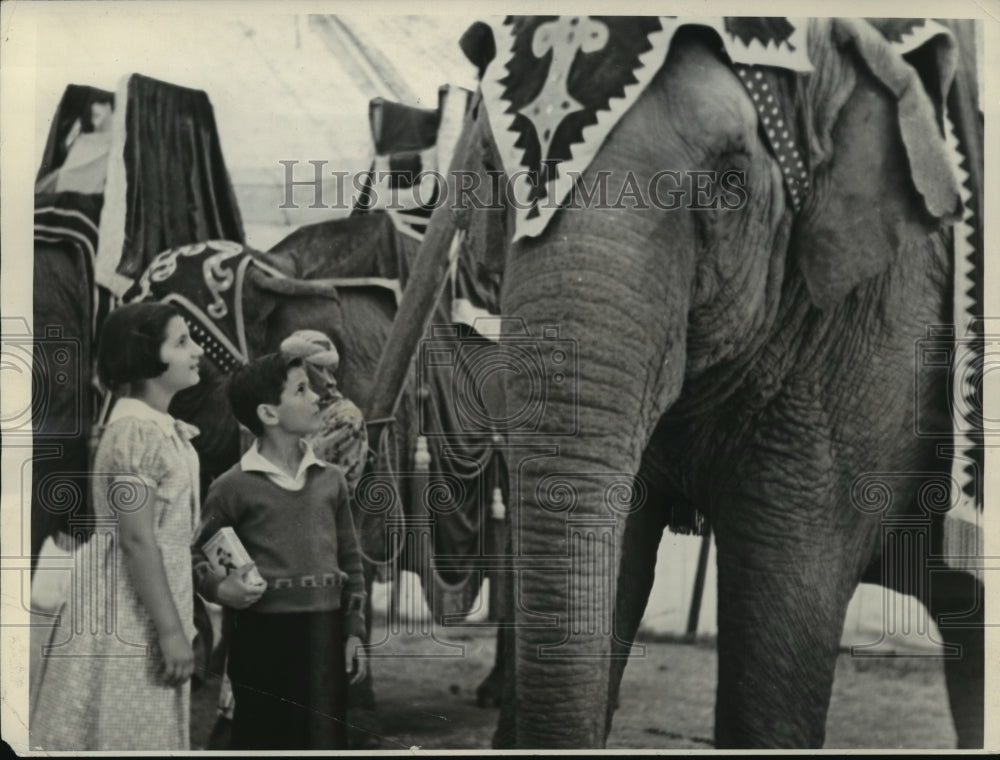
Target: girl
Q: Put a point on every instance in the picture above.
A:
(119, 677)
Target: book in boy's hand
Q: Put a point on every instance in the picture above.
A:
(227, 554)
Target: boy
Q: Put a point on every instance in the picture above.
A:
(287, 656)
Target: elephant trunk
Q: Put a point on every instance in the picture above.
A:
(625, 346)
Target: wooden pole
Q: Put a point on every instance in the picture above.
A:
(699, 586)
(420, 297)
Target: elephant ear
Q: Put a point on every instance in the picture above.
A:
(259, 303)
(883, 178)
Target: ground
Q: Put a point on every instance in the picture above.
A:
(426, 697)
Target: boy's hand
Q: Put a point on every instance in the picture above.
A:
(354, 651)
(236, 592)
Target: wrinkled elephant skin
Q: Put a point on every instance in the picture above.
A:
(754, 362)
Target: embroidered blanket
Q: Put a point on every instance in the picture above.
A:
(205, 281)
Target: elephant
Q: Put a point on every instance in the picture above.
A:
(745, 349)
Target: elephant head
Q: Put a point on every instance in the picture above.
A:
(723, 264)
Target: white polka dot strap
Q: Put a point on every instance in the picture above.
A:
(773, 93)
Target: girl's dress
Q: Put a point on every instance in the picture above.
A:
(102, 687)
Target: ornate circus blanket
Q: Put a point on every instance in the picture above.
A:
(205, 281)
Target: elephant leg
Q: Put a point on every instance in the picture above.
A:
(643, 533)
(505, 735)
(957, 594)
(490, 692)
(782, 603)
(61, 421)
(954, 599)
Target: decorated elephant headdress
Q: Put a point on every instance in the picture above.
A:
(557, 86)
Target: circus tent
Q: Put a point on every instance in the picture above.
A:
(284, 88)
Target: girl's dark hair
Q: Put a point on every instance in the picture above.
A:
(129, 347)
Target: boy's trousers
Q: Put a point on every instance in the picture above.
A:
(289, 680)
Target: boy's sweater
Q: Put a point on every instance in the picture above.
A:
(303, 542)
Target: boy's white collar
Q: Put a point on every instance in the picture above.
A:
(254, 461)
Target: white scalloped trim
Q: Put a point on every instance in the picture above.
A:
(780, 55)
(964, 507)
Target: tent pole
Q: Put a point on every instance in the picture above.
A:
(699, 586)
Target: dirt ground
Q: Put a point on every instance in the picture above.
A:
(426, 697)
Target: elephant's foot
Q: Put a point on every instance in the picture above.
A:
(966, 688)
(958, 597)
(490, 691)
(503, 738)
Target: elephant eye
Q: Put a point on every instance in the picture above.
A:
(734, 155)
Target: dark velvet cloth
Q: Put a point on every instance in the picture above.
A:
(398, 128)
(179, 191)
(289, 681)
(366, 245)
(74, 104)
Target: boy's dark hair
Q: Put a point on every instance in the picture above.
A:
(259, 382)
(129, 346)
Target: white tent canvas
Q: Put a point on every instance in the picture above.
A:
(284, 87)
